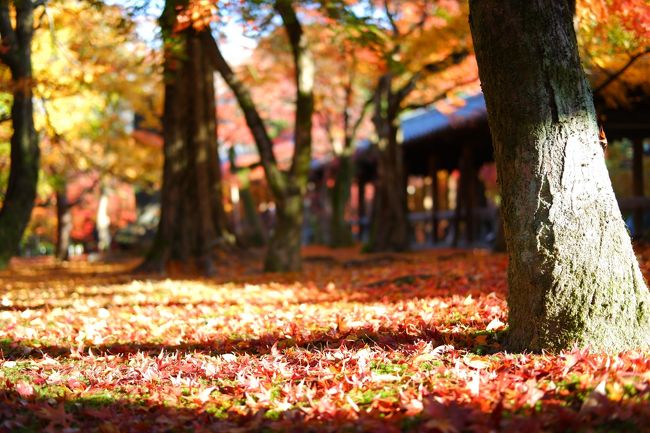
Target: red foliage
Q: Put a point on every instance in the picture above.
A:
(634, 15)
(84, 190)
(355, 343)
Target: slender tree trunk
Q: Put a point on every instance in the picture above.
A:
(284, 248)
(103, 221)
(223, 230)
(341, 232)
(193, 221)
(253, 231)
(288, 188)
(637, 185)
(256, 234)
(390, 226)
(573, 277)
(63, 224)
(23, 175)
(283, 254)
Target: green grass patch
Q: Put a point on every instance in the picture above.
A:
(367, 397)
(98, 399)
(430, 365)
(382, 368)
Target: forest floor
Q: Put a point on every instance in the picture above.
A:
(381, 343)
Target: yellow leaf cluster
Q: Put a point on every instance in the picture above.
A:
(92, 75)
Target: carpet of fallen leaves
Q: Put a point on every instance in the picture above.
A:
(355, 343)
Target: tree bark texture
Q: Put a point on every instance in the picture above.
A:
(193, 221)
(573, 276)
(284, 246)
(340, 230)
(23, 175)
(390, 227)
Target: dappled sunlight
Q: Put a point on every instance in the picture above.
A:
(171, 171)
(399, 341)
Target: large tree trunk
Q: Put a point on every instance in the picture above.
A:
(193, 221)
(390, 225)
(340, 230)
(23, 174)
(573, 277)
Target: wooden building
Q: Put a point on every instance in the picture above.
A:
(631, 122)
(448, 146)
(444, 149)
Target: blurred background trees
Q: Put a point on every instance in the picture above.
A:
(280, 122)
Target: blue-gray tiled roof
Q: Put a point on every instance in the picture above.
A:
(431, 121)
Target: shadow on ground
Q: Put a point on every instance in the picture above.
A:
(19, 414)
(383, 338)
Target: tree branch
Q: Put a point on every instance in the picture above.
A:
(327, 123)
(58, 140)
(7, 37)
(291, 24)
(68, 205)
(84, 191)
(391, 19)
(304, 68)
(439, 96)
(348, 95)
(419, 24)
(80, 198)
(431, 68)
(254, 121)
(24, 23)
(232, 157)
(357, 124)
(613, 77)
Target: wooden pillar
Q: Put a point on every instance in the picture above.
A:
(460, 198)
(469, 177)
(435, 198)
(465, 196)
(361, 206)
(637, 184)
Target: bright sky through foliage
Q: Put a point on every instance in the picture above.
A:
(236, 47)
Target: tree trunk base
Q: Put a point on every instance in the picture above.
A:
(283, 254)
(573, 277)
